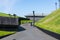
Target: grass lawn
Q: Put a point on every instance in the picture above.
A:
(51, 22)
(3, 33)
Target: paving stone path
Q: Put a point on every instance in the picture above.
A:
(31, 33)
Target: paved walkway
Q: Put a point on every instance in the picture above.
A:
(31, 33)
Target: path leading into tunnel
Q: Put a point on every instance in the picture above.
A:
(31, 33)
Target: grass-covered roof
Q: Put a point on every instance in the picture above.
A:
(6, 15)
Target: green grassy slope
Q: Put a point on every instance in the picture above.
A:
(51, 22)
(6, 15)
(3, 33)
(25, 21)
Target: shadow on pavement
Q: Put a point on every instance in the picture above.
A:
(19, 29)
(57, 36)
(12, 28)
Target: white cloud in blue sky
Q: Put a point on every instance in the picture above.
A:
(25, 7)
(7, 5)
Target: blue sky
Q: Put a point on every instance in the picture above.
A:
(25, 7)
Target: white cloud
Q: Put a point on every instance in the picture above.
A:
(7, 5)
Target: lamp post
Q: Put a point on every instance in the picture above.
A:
(33, 17)
(42, 14)
(56, 4)
(59, 3)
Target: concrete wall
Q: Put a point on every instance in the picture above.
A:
(8, 21)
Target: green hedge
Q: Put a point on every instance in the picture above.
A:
(25, 21)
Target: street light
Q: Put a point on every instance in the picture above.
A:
(33, 17)
(56, 4)
(59, 3)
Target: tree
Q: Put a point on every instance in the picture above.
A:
(10, 15)
(14, 15)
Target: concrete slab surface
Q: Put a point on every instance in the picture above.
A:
(31, 33)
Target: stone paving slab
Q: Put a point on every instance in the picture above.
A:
(31, 33)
